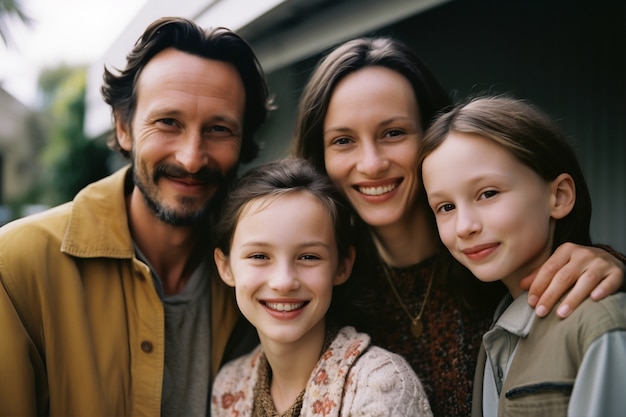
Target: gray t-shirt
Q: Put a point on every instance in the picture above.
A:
(186, 376)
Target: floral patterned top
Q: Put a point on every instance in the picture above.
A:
(352, 378)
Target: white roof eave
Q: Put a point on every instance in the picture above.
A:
(325, 27)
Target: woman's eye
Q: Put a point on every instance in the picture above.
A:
(257, 256)
(341, 141)
(394, 133)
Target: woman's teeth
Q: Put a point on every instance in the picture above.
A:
(384, 189)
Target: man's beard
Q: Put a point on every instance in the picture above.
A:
(183, 217)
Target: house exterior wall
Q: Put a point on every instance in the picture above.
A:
(567, 57)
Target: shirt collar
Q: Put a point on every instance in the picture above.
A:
(518, 316)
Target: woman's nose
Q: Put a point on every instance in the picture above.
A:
(372, 161)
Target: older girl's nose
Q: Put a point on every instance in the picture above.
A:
(467, 222)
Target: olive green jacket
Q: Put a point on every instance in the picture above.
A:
(81, 324)
(547, 361)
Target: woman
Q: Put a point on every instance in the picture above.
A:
(360, 120)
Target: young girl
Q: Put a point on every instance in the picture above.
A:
(360, 120)
(506, 190)
(285, 240)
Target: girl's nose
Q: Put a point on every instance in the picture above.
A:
(284, 279)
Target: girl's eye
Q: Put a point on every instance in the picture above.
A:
(257, 256)
(310, 257)
(219, 129)
(488, 194)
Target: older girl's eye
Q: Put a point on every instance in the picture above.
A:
(488, 194)
(446, 207)
(257, 256)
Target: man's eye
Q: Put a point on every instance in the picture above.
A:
(168, 121)
(219, 131)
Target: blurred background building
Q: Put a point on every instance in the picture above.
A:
(567, 56)
(20, 142)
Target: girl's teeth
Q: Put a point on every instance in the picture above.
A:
(284, 306)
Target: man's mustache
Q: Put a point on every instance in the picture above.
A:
(205, 175)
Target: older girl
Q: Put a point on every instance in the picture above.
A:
(506, 190)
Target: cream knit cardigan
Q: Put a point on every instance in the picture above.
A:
(352, 378)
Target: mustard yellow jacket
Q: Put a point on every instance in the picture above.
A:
(81, 324)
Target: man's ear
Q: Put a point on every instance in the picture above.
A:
(563, 196)
(344, 269)
(123, 133)
(223, 267)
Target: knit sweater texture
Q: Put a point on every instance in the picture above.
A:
(352, 378)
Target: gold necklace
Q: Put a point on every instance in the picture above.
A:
(417, 327)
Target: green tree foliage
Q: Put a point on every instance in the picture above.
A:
(51, 81)
(67, 159)
(70, 160)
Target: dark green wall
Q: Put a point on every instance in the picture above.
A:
(567, 56)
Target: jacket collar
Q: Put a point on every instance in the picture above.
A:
(98, 223)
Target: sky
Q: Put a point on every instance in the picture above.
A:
(71, 32)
